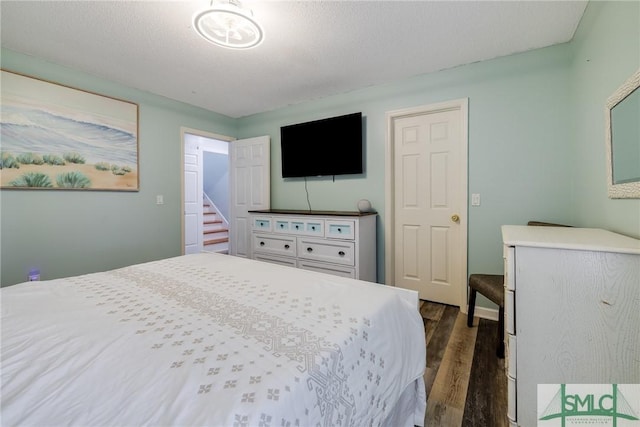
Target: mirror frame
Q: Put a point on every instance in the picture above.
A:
(627, 190)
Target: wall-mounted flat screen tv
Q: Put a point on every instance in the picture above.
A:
(325, 147)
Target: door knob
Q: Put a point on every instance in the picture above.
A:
(455, 218)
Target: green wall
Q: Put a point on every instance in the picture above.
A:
(68, 233)
(536, 151)
(519, 145)
(536, 136)
(607, 52)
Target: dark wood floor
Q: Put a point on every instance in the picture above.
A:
(466, 382)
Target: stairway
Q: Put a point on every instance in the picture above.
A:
(216, 232)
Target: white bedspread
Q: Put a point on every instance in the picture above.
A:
(209, 340)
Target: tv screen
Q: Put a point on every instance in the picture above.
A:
(331, 146)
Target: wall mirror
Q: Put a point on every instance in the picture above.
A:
(622, 116)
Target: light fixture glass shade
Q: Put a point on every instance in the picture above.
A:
(227, 24)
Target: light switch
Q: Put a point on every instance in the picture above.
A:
(475, 199)
(159, 199)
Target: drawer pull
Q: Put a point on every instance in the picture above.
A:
(261, 243)
(281, 225)
(286, 246)
(313, 227)
(339, 230)
(309, 249)
(341, 253)
(297, 227)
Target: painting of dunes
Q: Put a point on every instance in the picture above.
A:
(57, 137)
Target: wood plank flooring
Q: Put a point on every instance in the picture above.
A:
(466, 383)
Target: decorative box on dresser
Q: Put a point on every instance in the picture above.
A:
(572, 311)
(338, 243)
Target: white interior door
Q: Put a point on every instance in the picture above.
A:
(429, 191)
(193, 236)
(250, 182)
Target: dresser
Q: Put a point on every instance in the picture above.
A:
(338, 243)
(572, 311)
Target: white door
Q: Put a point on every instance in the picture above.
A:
(193, 224)
(429, 192)
(250, 183)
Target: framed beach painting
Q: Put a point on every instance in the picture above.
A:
(60, 138)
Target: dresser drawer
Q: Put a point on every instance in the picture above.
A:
(314, 228)
(274, 259)
(276, 245)
(511, 399)
(262, 223)
(333, 269)
(340, 229)
(303, 227)
(509, 310)
(325, 250)
(281, 225)
(509, 268)
(511, 361)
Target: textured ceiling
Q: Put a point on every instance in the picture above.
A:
(312, 49)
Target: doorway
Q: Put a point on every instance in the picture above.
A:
(205, 191)
(249, 188)
(426, 201)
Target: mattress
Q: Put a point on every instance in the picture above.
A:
(211, 340)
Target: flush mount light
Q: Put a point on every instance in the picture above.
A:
(227, 24)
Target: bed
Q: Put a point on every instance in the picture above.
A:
(211, 340)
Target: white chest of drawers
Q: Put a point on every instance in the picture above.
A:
(572, 311)
(339, 243)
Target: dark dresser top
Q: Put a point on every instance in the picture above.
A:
(307, 212)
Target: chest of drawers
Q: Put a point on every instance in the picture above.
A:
(571, 311)
(339, 243)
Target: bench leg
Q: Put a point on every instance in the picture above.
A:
(500, 351)
(472, 306)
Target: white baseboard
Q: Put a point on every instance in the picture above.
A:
(485, 313)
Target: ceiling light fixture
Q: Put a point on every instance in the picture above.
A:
(228, 24)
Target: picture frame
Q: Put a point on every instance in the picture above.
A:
(622, 140)
(56, 137)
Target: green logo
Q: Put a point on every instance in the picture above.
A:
(594, 404)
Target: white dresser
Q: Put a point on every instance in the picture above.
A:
(339, 243)
(572, 311)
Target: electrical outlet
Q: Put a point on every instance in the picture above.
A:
(159, 199)
(475, 199)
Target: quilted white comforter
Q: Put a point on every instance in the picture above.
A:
(210, 340)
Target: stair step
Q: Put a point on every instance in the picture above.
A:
(217, 230)
(221, 248)
(214, 241)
